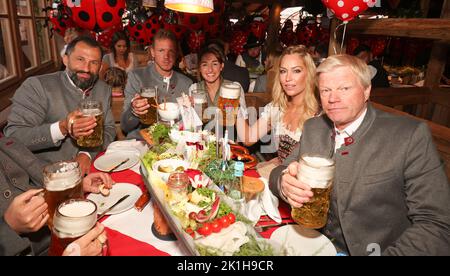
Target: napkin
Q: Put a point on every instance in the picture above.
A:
(191, 121)
(263, 204)
(138, 148)
(228, 240)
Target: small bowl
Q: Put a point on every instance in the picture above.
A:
(176, 135)
(167, 166)
(168, 111)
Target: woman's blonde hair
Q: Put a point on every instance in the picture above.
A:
(280, 99)
(356, 65)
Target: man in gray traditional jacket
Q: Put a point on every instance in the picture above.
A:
(390, 194)
(45, 115)
(170, 84)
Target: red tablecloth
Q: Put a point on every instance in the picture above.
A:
(123, 245)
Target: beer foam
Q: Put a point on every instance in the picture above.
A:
(75, 218)
(199, 100)
(318, 161)
(77, 209)
(317, 172)
(148, 94)
(230, 91)
(91, 112)
(65, 177)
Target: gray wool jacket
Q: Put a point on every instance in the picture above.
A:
(43, 100)
(390, 192)
(20, 171)
(149, 77)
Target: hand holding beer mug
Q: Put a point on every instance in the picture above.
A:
(73, 219)
(318, 173)
(62, 181)
(91, 108)
(200, 100)
(228, 103)
(149, 117)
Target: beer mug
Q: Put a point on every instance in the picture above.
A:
(62, 181)
(95, 139)
(200, 100)
(228, 103)
(73, 219)
(149, 93)
(318, 173)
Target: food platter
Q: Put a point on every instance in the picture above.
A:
(205, 218)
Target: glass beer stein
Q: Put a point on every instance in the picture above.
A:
(228, 103)
(150, 117)
(318, 173)
(62, 181)
(200, 100)
(73, 219)
(95, 139)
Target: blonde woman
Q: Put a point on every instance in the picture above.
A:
(293, 103)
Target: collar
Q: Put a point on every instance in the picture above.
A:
(350, 129)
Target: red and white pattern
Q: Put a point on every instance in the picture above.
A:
(347, 10)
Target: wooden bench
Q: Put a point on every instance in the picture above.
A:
(117, 107)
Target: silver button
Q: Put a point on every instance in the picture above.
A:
(7, 194)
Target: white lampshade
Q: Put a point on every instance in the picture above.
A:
(190, 6)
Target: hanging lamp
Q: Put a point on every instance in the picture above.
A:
(190, 6)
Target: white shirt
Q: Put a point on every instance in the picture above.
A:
(348, 131)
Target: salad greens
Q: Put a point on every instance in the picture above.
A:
(159, 133)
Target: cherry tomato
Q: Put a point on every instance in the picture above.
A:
(231, 218)
(193, 215)
(190, 232)
(205, 229)
(224, 221)
(216, 226)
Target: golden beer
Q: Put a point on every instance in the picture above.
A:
(228, 103)
(62, 181)
(95, 139)
(150, 117)
(73, 219)
(318, 173)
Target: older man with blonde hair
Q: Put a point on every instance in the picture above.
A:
(390, 190)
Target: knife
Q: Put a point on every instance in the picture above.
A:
(112, 206)
(118, 165)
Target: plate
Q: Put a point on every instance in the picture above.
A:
(169, 163)
(300, 241)
(118, 190)
(108, 161)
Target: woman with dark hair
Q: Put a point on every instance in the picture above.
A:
(210, 65)
(120, 55)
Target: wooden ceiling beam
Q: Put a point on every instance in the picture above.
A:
(423, 28)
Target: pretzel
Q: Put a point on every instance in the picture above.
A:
(241, 153)
(238, 151)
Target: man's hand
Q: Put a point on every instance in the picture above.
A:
(27, 213)
(139, 105)
(92, 182)
(79, 125)
(295, 191)
(85, 163)
(93, 243)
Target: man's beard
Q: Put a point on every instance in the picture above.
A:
(83, 84)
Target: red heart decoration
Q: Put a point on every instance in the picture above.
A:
(346, 10)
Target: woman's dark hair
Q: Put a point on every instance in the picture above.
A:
(210, 49)
(116, 38)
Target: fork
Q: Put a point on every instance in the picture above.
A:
(262, 228)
